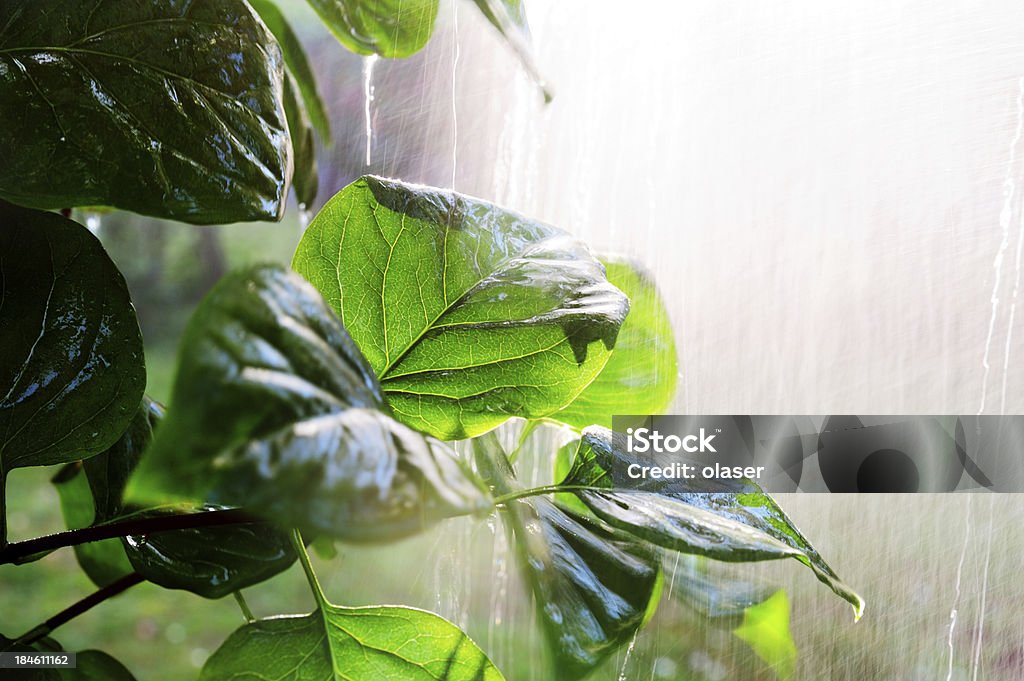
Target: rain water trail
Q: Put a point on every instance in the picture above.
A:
(368, 64)
(1005, 216)
(455, 111)
(984, 589)
(956, 598)
(625, 660)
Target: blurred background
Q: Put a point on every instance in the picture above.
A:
(831, 197)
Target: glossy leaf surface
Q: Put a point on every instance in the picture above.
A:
(594, 585)
(468, 313)
(641, 375)
(350, 644)
(739, 523)
(71, 360)
(165, 108)
(210, 561)
(297, 62)
(278, 412)
(390, 28)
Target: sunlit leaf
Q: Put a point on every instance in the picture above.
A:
(350, 644)
(594, 585)
(390, 28)
(275, 410)
(172, 109)
(641, 375)
(468, 313)
(738, 523)
(71, 360)
(765, 629)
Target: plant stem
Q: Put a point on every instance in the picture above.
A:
(246, 612)
(11, 553)
(546, 489)
(69, 613)
(307, 567)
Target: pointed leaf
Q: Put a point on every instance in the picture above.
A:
(765, 629)
(641, 375)
(469, 314)
(509, 17)
(71, 366)
(694, 516)
(298, 64)
(274, 409)
(172, 109)
(350, 644)
(390, 28)
(594, 585)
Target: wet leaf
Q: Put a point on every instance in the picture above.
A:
(469, 314)
(210, 561)
(641, 375)
(390, 28)
(275, 410)
(734, 523)
(509, 17)
(298, 64)
(351, 644)
(765, 629)
(594, 585)
(171, 109)
(717, 595)
(71, 365)
(305, 180)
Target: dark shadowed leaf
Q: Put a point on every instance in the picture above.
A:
(305, 180)
(594, 585)
(71, 360)
(350, 644)
(172, 109)
(211, 562)
(509, 17)
(390, 28)
(469, 314)
(711, 590)
(274, 409)
(298, 64)
(641, 375)
(739, 523)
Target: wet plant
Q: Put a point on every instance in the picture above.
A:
(321, 401)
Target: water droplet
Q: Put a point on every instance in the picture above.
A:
(93, 223)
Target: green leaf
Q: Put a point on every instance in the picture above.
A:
(209, 561)
(92, 665)
(468, 313)
(739, 524)
(390, 28)
(641, 374)
(509, 17)
(274, 409)
(305, 180)
(71, 363)
(718, 596)
(171, 109)
(298, 65)
(765, 629)
(594, 586)
(350, 644)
